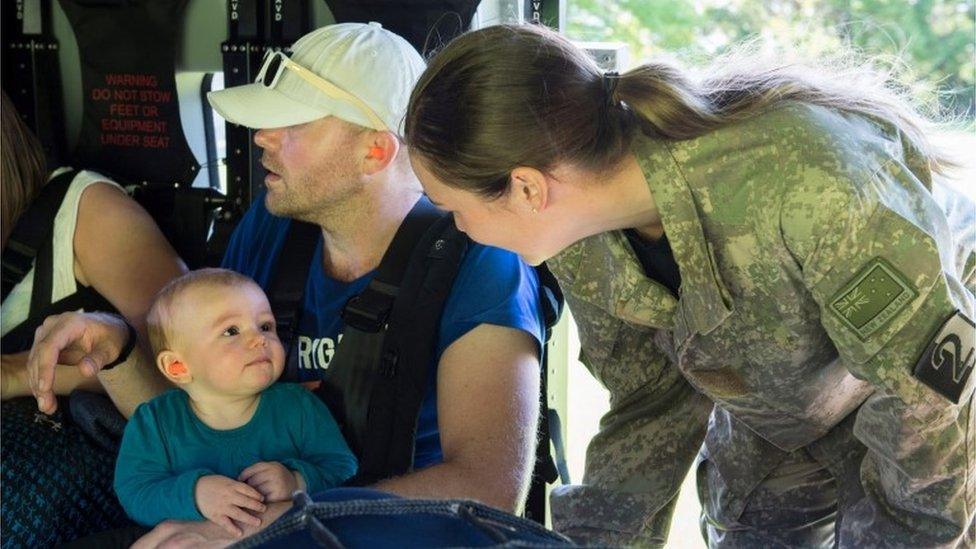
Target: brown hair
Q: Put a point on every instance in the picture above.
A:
(159, 319)
(22, 161)
(508, 96)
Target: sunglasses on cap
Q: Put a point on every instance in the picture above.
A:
(274, 65)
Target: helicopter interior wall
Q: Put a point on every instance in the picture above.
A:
(204, 28)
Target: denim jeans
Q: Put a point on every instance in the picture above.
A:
(358, 517)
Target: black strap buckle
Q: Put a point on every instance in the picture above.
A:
(370, 310)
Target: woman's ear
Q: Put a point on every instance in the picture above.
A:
(173, 367)
(529, 190)
(381, 149)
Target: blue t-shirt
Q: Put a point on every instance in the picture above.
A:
(493, 286)
(166, 448)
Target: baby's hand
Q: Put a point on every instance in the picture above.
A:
(275, 481)
(223, 500)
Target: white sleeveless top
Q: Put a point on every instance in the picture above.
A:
(15, 308)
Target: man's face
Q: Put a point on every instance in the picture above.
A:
(311, 167)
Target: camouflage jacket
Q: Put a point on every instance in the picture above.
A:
(821, 275)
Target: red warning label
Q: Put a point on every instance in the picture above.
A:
(130, 105)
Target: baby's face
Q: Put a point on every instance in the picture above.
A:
(228, 339)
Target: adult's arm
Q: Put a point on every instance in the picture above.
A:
(121, 253)
(174, 534)
(487, 410)
(13, 377)
(647, 440)
(88, 341)
(878, 257)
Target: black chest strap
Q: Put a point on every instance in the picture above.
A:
(287, 289)
(21, 337)
(378, 377)
(31, 244)
(370, 310)
(402, 379)
(33, 231)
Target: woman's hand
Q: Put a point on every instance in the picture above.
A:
(174, 534)
(87, 341)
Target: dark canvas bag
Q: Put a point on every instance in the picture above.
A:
(359, 517)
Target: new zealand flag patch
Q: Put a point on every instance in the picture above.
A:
(875, 295)
(947, 364)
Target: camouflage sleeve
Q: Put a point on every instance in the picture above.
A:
(879, 257)
(961, 221)
(647, 441)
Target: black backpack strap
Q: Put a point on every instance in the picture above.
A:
(43, 276)
(370, 310)
(409, 349)
(287, 289)
(377, 378)
(33, 230)
(548, 468)
(21, 337)
(551, 298)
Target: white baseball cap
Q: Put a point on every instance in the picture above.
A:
(361, 73)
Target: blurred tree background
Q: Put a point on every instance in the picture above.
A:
(932, 43)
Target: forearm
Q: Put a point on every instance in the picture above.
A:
(14, 361)
(133, 382)
(144, 482)
(155, 502)
(206, 533)
(636, 463)
(487, 415)
(13, 381)
(916, 477)
(505, 490)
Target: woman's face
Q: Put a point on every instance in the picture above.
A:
(502, 222)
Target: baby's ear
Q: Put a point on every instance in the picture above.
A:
(173, 367)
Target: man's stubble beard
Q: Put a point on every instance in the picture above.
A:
(313, 199)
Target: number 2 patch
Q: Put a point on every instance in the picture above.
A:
(947, 363)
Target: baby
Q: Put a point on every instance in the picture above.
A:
(228, 440)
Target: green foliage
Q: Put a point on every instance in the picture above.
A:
(931, 42)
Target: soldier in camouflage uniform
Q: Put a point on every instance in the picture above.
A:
(826, 287)
(773, 324)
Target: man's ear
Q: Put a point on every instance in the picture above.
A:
(173, 367)
(380, 150)
(529, 190)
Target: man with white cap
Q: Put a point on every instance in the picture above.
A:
(329, 118)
